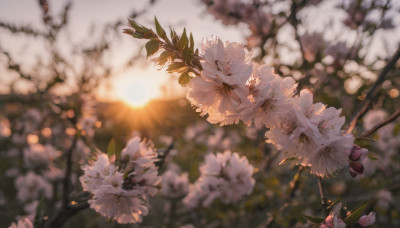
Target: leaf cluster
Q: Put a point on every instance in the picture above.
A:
(177, 52)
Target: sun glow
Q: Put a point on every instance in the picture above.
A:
(135, 95)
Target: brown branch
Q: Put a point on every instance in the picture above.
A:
(294, 185)
(66, 212)
(22, 29)
(163, 154)
(324, 203)
(391, 118)
(372, 92)
(68, 170)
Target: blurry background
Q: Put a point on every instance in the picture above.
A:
(65, 66)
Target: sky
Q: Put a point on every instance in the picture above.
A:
(135, 84)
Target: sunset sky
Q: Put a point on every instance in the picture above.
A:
(135, 85)
(139, 83)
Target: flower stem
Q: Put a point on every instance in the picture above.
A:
(324, 203)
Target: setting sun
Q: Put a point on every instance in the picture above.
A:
(135, 95)
(136, 91)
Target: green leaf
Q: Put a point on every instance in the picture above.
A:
(163, 58)
(183, 41)
(173, 35)
(138, 35)
(39, 214)
(187, 55)
(372, 157)
(111, 148)
(152, 47)
(184, 78)
(159, 29)
(396, 129)
(191, 42)
(175, 66)
(138, 28)
(356, 213)
(313, 219)
(333, 203)
(128, 31)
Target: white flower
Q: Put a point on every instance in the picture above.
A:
(120, 192)
(139, 154)
(227, 63)
(367, 220)
(39, 155)
(193, 131)
(332, 221)
(173, 184)
(22, 223)
(194, 196)
(118, 204)
(225, 176)
(332, 155)
(215, 139)
(269, 96)
(221, 87)
(95, 173)
(219, 100)
(31, 185)
(294, 134)
(312, 134)
(330, 123)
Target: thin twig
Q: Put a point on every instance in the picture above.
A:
(68, 169)
(294, 185)
(324, 203)
(162, 155)
(66, 212)
(391, 118)
(372, 92)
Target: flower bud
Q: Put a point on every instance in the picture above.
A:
(367, 220)
(357, 153)
(356, 167)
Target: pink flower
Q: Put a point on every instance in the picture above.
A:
(367, 220)
(333, 222)
(357, 153)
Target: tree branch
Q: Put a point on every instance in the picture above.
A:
(294, 185)
(68, 169)
(391, 118)
(372, 92)
(66, 212)
(324, 203)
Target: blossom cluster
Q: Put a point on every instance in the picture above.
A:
(333, 221)
(262, 19)
(120, 188)
(22, 223)
(173, 183)
(215, 138)
(225, 176)
(232, 88)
